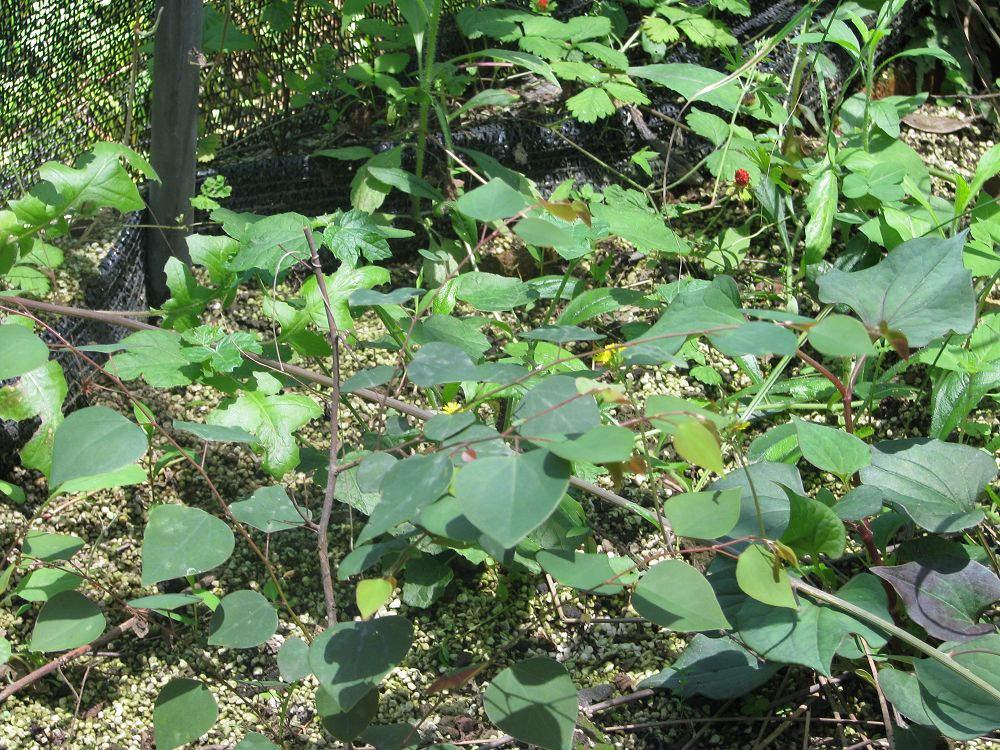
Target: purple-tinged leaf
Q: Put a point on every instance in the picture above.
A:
(947, 602)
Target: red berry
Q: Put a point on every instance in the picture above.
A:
(742, 178)
(543, 5)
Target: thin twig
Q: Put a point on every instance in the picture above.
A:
(368, 394)
(323, 536)
(69, 656)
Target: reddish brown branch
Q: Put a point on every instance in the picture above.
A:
(69, 656)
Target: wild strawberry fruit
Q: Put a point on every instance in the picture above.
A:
(741, 178)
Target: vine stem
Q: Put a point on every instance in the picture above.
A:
(368, 394)
(322, 532)
(897, 632)
(27, 304)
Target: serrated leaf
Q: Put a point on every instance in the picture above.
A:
(271, 419)
(590, 105)
(188, 298)
(41, 393)
(155, 356)
(355, 234)
(273, 244)
(97, 178)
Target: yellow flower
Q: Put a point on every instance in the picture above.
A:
(451, 407)
(611, 353)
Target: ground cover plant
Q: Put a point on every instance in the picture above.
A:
(454, 421)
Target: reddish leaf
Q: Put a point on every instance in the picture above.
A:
(456, 679)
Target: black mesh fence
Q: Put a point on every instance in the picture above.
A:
(73, 72)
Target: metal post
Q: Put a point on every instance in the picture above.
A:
(174, 120)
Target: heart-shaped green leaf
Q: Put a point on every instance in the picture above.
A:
(535, 701)
(936, 484)
(813, 528)
(181, 541)
(761, 578)
(351, 658)
(831, 449)
(717, 668)
(183, 712)
(676, 596)
(704, 515)
(94, 440)
(812, 634)
(594, 573)
(243, 619)
(269, 509)
(67, 620)
(22, 351)
(921, 289)
(507, 497)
